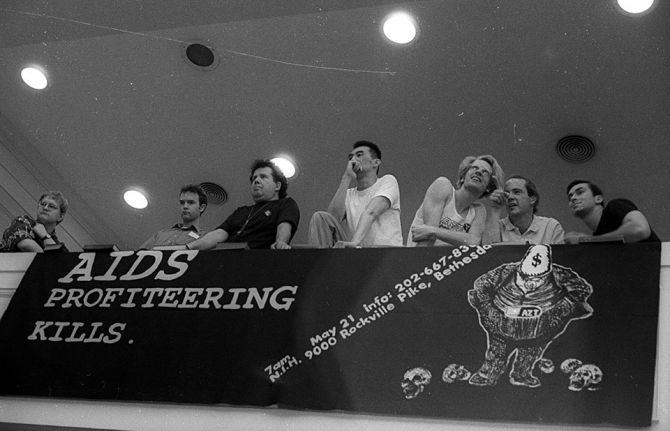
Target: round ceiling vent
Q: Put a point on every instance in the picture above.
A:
(201, 55)
(575, 148)
(216, 195)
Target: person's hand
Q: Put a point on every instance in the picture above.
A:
(352, 167)
(280, 245)
(40, 231)
(423, 232)
(497, 200)
(574, 237)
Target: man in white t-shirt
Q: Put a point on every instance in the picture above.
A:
(367, 214)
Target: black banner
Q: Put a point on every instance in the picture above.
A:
(561, 334)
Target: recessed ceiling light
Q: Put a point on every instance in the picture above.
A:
(400, 27)
(34, 78)
(135, 199)
(635, 6)
(285, 165)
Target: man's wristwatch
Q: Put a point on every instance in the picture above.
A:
(45, 237)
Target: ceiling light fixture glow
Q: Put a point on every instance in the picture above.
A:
(34, 78)
(400, 27)
(635, 6)
(285, 165)
(135, 199)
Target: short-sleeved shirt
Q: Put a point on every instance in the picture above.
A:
(386, 229)
(257, 224)
(176, 235)
(542, 230)
(612, 218)
(22, 228)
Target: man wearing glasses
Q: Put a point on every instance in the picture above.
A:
(27, 234)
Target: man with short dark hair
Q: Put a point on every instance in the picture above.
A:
(617, 219)
(367, 214)
(193, 202)
(270, 222)
(26, 234)
(522, 224)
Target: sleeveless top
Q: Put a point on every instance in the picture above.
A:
(450, 220)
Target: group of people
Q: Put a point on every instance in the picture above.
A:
(270, 222)
(481, 208)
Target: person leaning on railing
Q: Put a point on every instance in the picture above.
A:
(27, 234)
(270, 222)
(192, 203)
(451, 215)
(613, 220)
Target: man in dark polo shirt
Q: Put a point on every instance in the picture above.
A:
(270, 222)
(192, 202)
(617, 219)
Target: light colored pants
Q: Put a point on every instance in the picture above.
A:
(325, 230)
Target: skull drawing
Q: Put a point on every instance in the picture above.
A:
(585, 376)
(415, 381)
(455, 372)
(570, 365)
(545, 365)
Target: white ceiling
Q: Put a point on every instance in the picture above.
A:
(308, 78)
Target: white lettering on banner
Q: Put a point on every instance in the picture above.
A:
(317, 339)
(145, 264)
(218, 298)
(364, 321)
(412, 291)
(77, 332)
(454, 266)
(383, 304)
(84, 269)
(276, 370)
(152, 297)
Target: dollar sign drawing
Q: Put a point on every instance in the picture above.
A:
(537, 259)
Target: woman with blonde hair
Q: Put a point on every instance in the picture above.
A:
(450, 215)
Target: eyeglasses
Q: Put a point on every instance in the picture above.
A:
(48, 205)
